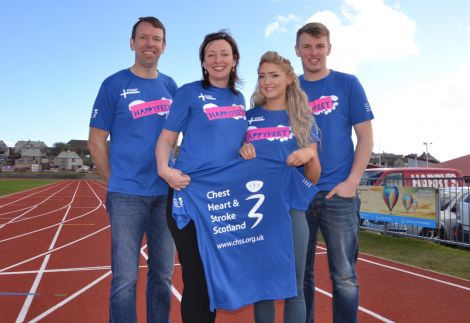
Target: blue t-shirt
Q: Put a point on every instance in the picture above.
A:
(338, 103)
(271, 134)
(244, 234)
(213, 124)
(133, 109)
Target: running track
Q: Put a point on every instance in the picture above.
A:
(54, 267)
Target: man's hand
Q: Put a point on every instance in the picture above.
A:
(343, 189)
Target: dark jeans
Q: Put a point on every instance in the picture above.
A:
(338, 222)
(132, 216)
(195, 301)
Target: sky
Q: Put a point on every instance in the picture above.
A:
(411, 56)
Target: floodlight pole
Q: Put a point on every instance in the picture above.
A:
(427, 155)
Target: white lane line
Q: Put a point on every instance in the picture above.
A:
(100, 185)
(416, 274)
(17, 210)
(19, 216)
(12, 220)
(362, 309)
(37, 280)
(61, 270)
(53, 225)
(54, 250)
(41, 214)
(176, 293)
(173, 288)
(9, 195)
(71, 297)
(52, 309)
(411, 273)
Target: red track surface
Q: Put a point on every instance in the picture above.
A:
(55, 257)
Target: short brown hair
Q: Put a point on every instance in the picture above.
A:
(154, 22)
(314, 29)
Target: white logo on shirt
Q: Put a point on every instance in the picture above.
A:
(178, 202)
(129, 91)
(205, 97)
(253, 187)
(255, 119)
(94, 113)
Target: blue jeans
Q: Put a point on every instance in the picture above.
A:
(337, 220)
(132, 216)
(294, 307)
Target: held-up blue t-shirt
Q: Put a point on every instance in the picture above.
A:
(213, 124)
(244, 234)
(271, 134)
(338, 103)
(133, 109)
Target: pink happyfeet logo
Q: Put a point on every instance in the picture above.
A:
(141, 108)
(214, 112)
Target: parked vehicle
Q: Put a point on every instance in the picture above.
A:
(413, 177)
(462, 230)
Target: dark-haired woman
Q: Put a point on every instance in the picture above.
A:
(211, 115)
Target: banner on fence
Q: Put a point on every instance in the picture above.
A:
(397, 204)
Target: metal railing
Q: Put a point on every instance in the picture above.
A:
(452, 216)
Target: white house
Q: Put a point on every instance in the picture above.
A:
(21, 144)
(68, 160)
(33, 153)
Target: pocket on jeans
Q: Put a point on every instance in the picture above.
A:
(348, 198)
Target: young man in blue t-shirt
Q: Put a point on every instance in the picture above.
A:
(131, 108)
(339, 104)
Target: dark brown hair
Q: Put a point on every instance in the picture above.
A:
(233, 78)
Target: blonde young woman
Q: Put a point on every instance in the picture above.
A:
(282, 121)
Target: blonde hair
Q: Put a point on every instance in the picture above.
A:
(298, 110)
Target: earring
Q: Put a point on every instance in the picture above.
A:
(205, 72)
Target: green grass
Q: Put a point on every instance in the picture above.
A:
(419, 253)
(8, 186)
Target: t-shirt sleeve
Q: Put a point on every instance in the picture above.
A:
(173, 87)
(179, 111)
(315, 133)
(301, 190)
(103, 109)
(360, 109)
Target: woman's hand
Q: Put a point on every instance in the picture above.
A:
(300, 157)
(175, 178)
(248, 151)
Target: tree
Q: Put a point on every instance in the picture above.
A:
(59, 147)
